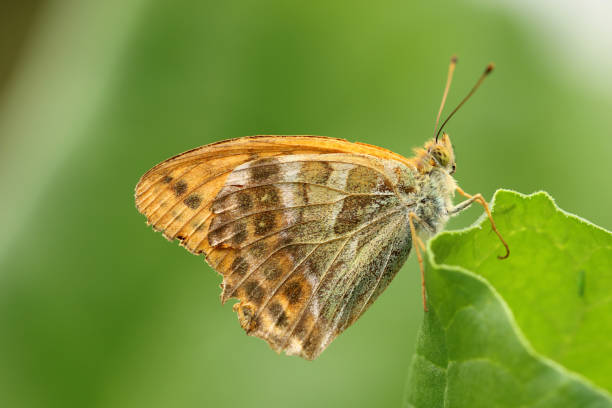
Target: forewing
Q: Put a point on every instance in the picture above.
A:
(305, 239)
(176, 195)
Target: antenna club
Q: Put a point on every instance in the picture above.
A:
(454, 59)
(490, 68)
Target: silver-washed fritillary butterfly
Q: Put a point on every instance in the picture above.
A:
(307, 231)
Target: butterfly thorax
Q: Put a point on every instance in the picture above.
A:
(433, 186)
(433, 199)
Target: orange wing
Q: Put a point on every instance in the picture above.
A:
(307, 231)
(177, 194)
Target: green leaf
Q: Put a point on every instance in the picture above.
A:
(533, 330)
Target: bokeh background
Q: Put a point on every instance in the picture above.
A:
(97, 310)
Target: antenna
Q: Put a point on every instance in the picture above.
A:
(482, 77)
(449, 79)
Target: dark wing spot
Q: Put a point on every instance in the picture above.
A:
(293, 291)
(254, 292)
(244, 201)
(193, 201)
(268, 196)
(264, 223)
(261, 173)
(281, 320)
(179, 188)
(167, 179)
(277, 311)
(239, 266)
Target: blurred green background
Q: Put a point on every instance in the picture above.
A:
(97, 310)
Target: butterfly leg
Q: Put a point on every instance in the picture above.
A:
(417, 243)
(480, 200)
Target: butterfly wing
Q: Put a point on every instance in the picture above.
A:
(306, 231)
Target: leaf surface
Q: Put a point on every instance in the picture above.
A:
(529, 331)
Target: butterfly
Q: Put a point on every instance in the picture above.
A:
(307, 231)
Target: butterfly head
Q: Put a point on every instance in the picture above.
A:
(441, 154)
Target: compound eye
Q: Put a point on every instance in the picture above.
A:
(441, 156)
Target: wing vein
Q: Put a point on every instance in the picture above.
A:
(275, 183)
(327, 299)
(285, 280)
(316, 289)
(268, 257)
(346, 294)
(326, 161)
(155, 197)
(191, 190)
(304, 243)
(161, 202)
(377, 281)
(272, 210)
